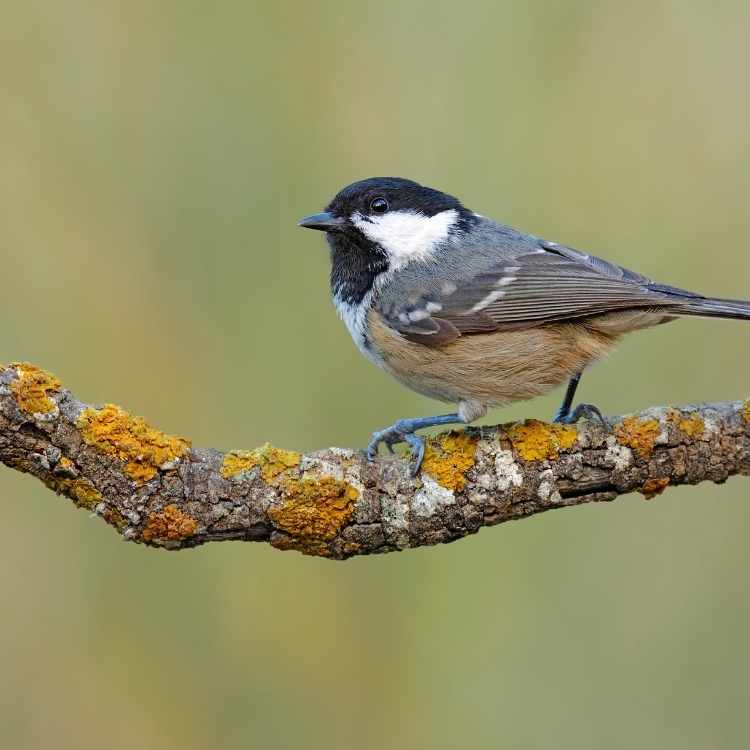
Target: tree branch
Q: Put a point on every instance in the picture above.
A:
(157, 489)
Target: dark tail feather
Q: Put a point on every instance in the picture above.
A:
(715, 308)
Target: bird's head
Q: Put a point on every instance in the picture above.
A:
(387, 221)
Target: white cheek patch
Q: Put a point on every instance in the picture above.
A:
(406, 235)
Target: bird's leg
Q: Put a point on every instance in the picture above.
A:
(562, 414)
(565, 416)
(403, 431)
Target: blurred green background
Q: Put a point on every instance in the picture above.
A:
(155, 158)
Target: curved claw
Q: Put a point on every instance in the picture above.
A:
(393, 435)
(372, 446)
(388, 436)
(403, 431)
(580, 412)
(416, 443)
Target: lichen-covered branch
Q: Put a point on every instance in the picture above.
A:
(159, 490)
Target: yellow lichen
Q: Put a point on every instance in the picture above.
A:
(142, 448)
(65, 464)
(168, 525)
(80, 491)
(638, 434)
(312, 512)
(32, 388)
(448, 457)
(272, 462)
(537, 441)
(746, 411)
(691, 425)
(653, 487)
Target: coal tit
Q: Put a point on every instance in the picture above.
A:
(473, 312)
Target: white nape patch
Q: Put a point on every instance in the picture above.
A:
(448, 288)
(488, 300)
(433, 307)
(406, 235)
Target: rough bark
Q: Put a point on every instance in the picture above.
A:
(159, 490)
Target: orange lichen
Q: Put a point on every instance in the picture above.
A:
(168, 525)
(746, 411)
(80, 491)
(312, 512)
(32, 388)
(20, 464)
(114, 518)
(536, 441)
(448, 457)
(272, 462)
(653, 487)
(142, 448)
(691, 425)
(638, 434)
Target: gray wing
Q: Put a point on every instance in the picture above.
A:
(526, 282)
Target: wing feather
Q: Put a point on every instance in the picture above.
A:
(542, 283)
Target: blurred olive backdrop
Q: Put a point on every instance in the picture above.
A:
(154, 159)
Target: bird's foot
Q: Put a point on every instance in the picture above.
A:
(399, 432)
(582, 411)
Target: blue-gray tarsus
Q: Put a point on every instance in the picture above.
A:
(564, 415)
(403, 431)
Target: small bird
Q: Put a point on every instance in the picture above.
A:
(475, 313)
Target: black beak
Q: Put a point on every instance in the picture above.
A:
(325, 222)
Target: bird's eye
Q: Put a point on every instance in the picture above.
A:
(379, 206)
